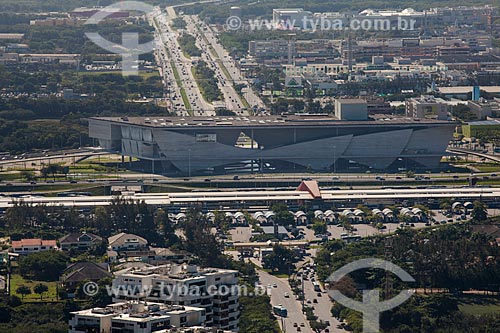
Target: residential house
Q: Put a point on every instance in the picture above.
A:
(32, 245)
(80, 241)
(123, 242)
(79, 272)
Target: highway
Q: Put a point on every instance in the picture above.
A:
(162, 55)
(71, 155)
(235, 74)
(180, 65)
(231, 98)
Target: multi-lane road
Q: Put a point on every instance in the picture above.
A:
(234, 72)
(277, 288)
(187, 98)
(232, 100)
(176, 69)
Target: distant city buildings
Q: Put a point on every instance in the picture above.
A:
(298, 18)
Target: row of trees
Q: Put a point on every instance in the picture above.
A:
(207, 82)
(451, 258)
(188, 45)
(39, 289)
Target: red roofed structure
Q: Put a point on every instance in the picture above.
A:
(32, 245)
(310, 186)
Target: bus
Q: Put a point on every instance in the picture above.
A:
(316, 287)
(280, 310)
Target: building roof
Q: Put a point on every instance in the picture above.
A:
(121, 238)
(491, 230)
(310, 186)
(11, 36)
(33, 242)
(270, 230)
(162, 251)
(77, 237)
(304, 120)
(468, 89)
(85, 271)
(351, 101)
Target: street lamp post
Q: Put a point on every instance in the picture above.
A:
(334, 159)
(189, 163)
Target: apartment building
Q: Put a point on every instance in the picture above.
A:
(135, 317)
(185, 285)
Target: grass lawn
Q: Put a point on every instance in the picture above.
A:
(17, 280)
(10, 175)
(488, 168)
(479, 305)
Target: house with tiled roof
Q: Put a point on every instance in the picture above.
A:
(33, 245)
(79, 272)
(123, 242)
(80, 241)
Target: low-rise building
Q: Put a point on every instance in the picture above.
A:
(476, 129)
(427, 107)
(482, 109)
(351, 109)
(32, 245)
(8, 58)
(319, 82)
(32, 58)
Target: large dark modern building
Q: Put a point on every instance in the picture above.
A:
(225, 144)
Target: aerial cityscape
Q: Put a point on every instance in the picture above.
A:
(221, 166)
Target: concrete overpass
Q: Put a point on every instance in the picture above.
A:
(462, 151)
